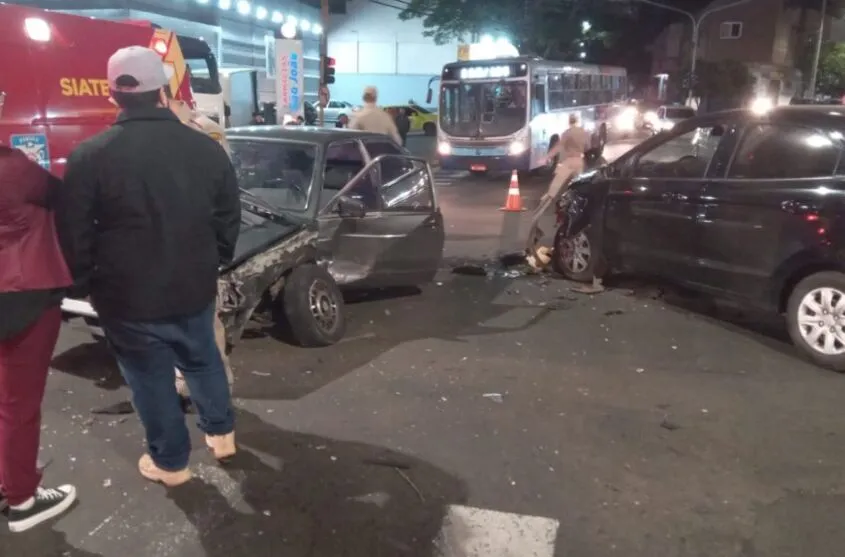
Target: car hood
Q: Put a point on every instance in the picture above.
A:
(258, 234)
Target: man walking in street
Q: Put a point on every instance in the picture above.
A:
(403, 124)
(371, 118)
(569, 151)
(33, 279)
(148, 213)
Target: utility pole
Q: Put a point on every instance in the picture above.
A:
(324, 51)
(814, 72)
(696, 27)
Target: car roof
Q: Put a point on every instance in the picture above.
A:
(830, 116)
(308, 134)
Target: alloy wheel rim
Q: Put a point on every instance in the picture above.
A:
(821, 320)
(322, 305)
(576, 253)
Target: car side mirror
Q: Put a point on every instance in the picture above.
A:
(428, 97)
(348, 207)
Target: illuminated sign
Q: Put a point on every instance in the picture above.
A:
(486, 72)
(289, 77)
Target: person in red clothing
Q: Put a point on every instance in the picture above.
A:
(33, 278)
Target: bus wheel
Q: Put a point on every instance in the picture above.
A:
(551, 163)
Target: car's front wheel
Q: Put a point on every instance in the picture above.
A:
(578, 257)
(314, 307)
(815, 316)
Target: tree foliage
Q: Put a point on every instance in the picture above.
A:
(549, 28)
(830, 79)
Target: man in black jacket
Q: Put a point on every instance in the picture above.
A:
(148, 213)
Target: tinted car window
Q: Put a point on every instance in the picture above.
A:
(412, 191)
(343, 162)
(679, 113)
(682, 156)
(772, 152)
(393, 167)
(279, 173)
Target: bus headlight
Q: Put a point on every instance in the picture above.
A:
(444, 148)
(517, 147)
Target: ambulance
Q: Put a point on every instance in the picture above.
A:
(53, 88)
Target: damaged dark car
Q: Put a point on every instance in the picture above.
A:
(738, 205)
(323, 210)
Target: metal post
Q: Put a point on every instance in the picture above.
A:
(814, 71)
(324, 50)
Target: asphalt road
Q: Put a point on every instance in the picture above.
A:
(483, 415)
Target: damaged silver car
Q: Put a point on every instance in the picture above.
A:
(323, 210)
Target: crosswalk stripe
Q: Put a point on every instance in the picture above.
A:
(444, 178)
(474, 532)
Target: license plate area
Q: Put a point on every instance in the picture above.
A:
(478, 167)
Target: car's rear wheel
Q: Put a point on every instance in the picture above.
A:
(815, 316)
(429, 128)
(314, 307)
(578, 257)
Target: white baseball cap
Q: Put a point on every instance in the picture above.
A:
(141, 67)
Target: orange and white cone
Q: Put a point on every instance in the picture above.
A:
(513, 203)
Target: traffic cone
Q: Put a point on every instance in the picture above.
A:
(513, 203)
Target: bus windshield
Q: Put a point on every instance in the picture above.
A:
(202, 65)
(483, 109)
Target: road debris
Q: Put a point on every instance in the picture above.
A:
(595, 288)
(666, 423)
(495, 397)
(614, 312)
(260, 373)
(107, 483)
(410, 483)
(118, 409)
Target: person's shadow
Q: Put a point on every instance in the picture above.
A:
(40, 542)
(304, 495)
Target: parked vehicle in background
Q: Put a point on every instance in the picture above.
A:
(335, 109)
(422, 119)
(505, 114)
(323, 208)
(739, 205)
(667, 117)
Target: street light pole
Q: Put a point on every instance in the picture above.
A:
(814, 71)
(324, 51)
(696, 27)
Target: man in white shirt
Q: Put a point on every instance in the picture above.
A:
(371, 118)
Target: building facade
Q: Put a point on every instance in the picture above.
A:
(240, 33)
(372, 46)
(765, 35)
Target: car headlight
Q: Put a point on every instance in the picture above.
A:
(444, 148)
(517, 147)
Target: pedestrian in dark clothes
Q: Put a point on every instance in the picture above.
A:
(403, 124)
(33, 279)
(148, 214)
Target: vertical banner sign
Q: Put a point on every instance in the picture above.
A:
(290, 89)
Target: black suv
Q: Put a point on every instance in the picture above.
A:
(740, 205)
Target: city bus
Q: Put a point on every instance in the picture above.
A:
(505, 114)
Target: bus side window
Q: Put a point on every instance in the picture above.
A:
(538, 99)
(556, 92)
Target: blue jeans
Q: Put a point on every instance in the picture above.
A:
(148, 352)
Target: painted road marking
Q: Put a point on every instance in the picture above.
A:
(446, 178)
(473, 532)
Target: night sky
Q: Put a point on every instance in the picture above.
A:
(629, 49)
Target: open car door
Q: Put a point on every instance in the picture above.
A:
(397, 243)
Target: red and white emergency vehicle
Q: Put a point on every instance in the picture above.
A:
(53, 88)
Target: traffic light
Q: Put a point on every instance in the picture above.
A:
(327, 70)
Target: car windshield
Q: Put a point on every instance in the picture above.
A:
(279, 173)
(483, 109)
(679, 113)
